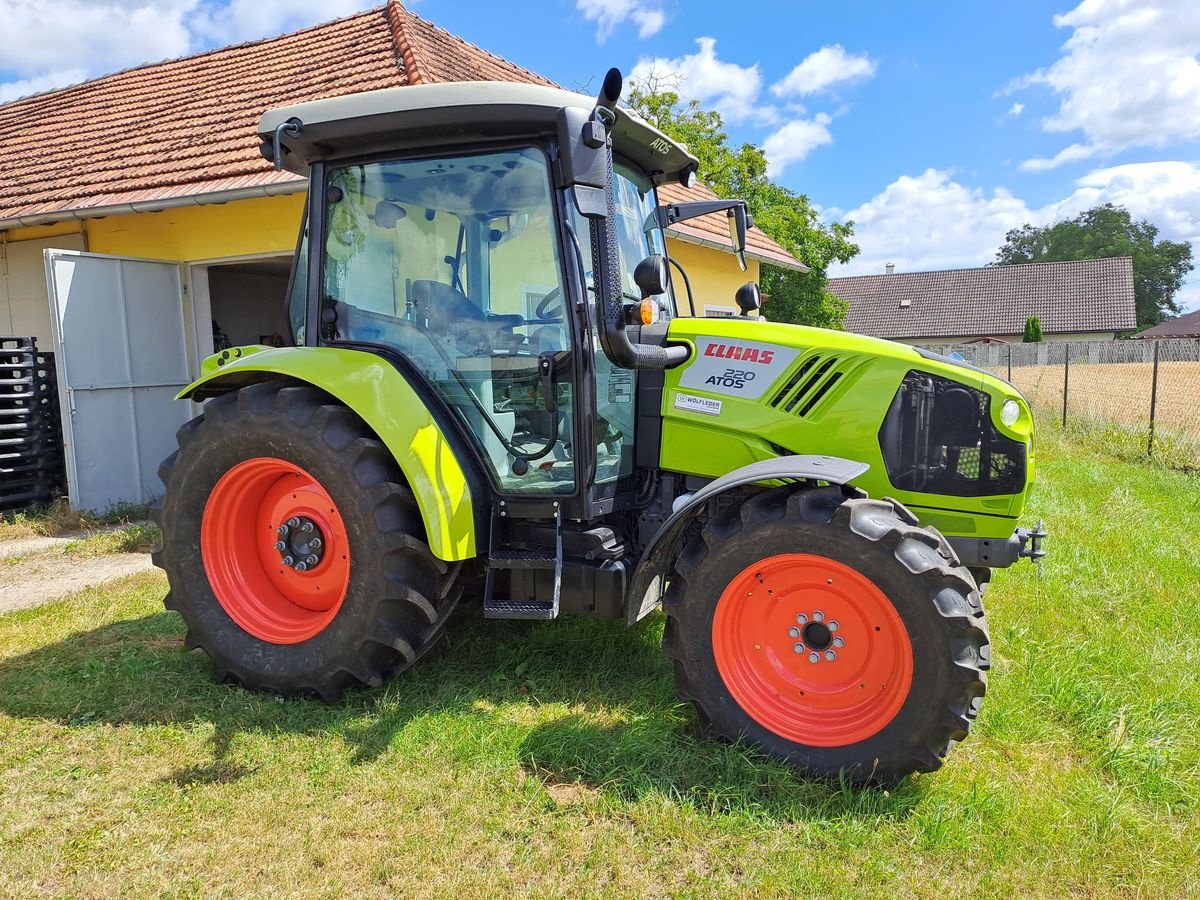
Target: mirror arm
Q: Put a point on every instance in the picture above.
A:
(687, 283)
(681, 212)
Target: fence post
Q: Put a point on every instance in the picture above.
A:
(1066, 379)
(1153, 401)
(1010, 363)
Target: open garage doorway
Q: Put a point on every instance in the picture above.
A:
(241, 302)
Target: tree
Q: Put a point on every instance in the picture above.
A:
(1033, 330)
(787, 217)
(1105, 231)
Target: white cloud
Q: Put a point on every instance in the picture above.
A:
(1128, 75)
(731, 89)
(822, 69)
(1072, 153)
(1015, 110)
(648, 16)
(43, 36)
(248, 20)
(931, 221)
(794, 141)
(11, 90)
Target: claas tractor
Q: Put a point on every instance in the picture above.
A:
(491, 395)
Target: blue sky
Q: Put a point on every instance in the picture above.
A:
(935, 126)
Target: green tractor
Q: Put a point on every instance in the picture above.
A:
(490, 393)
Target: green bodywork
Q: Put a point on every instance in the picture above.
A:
(377, 392)
(844, 422)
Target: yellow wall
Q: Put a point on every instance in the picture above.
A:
(240, 228)
(714, 274)
(38, 232)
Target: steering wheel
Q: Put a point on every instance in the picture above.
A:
(543, 310)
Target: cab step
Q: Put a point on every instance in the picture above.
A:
(513, 559)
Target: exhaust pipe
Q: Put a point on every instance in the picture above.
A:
(606, 255)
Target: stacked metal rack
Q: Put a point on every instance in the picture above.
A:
(31, 449)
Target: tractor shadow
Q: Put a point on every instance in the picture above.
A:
(615, 726)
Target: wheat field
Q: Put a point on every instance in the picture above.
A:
(1118, 392)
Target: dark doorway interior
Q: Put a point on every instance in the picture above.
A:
(248, 303)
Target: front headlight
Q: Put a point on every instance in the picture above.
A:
(1010, 412)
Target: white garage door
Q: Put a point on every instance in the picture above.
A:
(122, 343)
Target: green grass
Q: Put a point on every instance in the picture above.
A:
(58, 518)
(126, 539)
(555, 760)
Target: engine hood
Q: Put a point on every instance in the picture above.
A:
(754, 389)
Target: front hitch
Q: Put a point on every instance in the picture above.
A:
(1031, 541)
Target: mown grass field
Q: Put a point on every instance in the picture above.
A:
(554, 760)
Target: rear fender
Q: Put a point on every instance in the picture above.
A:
(379, 394)
(649, 579)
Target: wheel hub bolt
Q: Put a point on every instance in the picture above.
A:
(816, 637)
(301, 544)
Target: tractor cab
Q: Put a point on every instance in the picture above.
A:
(474, 266)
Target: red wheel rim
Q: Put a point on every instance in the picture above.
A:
(273, 593)
(779, 613)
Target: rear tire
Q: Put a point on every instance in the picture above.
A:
(830, 632)
(374, 601)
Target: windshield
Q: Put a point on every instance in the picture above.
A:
(638, 234)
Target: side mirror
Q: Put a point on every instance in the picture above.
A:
(739, 224)
(748, 298)
(651, 275)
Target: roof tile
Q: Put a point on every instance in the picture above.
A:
(1187, 325)
(1087, 295)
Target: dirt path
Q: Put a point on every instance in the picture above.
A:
(36, 570)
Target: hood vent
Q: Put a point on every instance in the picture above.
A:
(811, 383)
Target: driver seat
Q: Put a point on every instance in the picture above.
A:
(444, 309)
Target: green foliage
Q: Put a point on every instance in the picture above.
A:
(787, 217)
(1103, 232)
(1033, 330)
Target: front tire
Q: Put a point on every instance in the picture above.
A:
(294, 551)
(830, 632)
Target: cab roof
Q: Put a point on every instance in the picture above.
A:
(440, 115)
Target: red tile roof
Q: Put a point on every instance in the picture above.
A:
(185, 128)
(1068, 297)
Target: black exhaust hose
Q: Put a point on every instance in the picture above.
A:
(610, 307)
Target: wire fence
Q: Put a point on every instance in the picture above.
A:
(1139, 393)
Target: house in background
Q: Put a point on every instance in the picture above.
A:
(169, 234)
(1075, 301)
(1185, 326)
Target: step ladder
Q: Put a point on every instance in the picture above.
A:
(503, 558)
